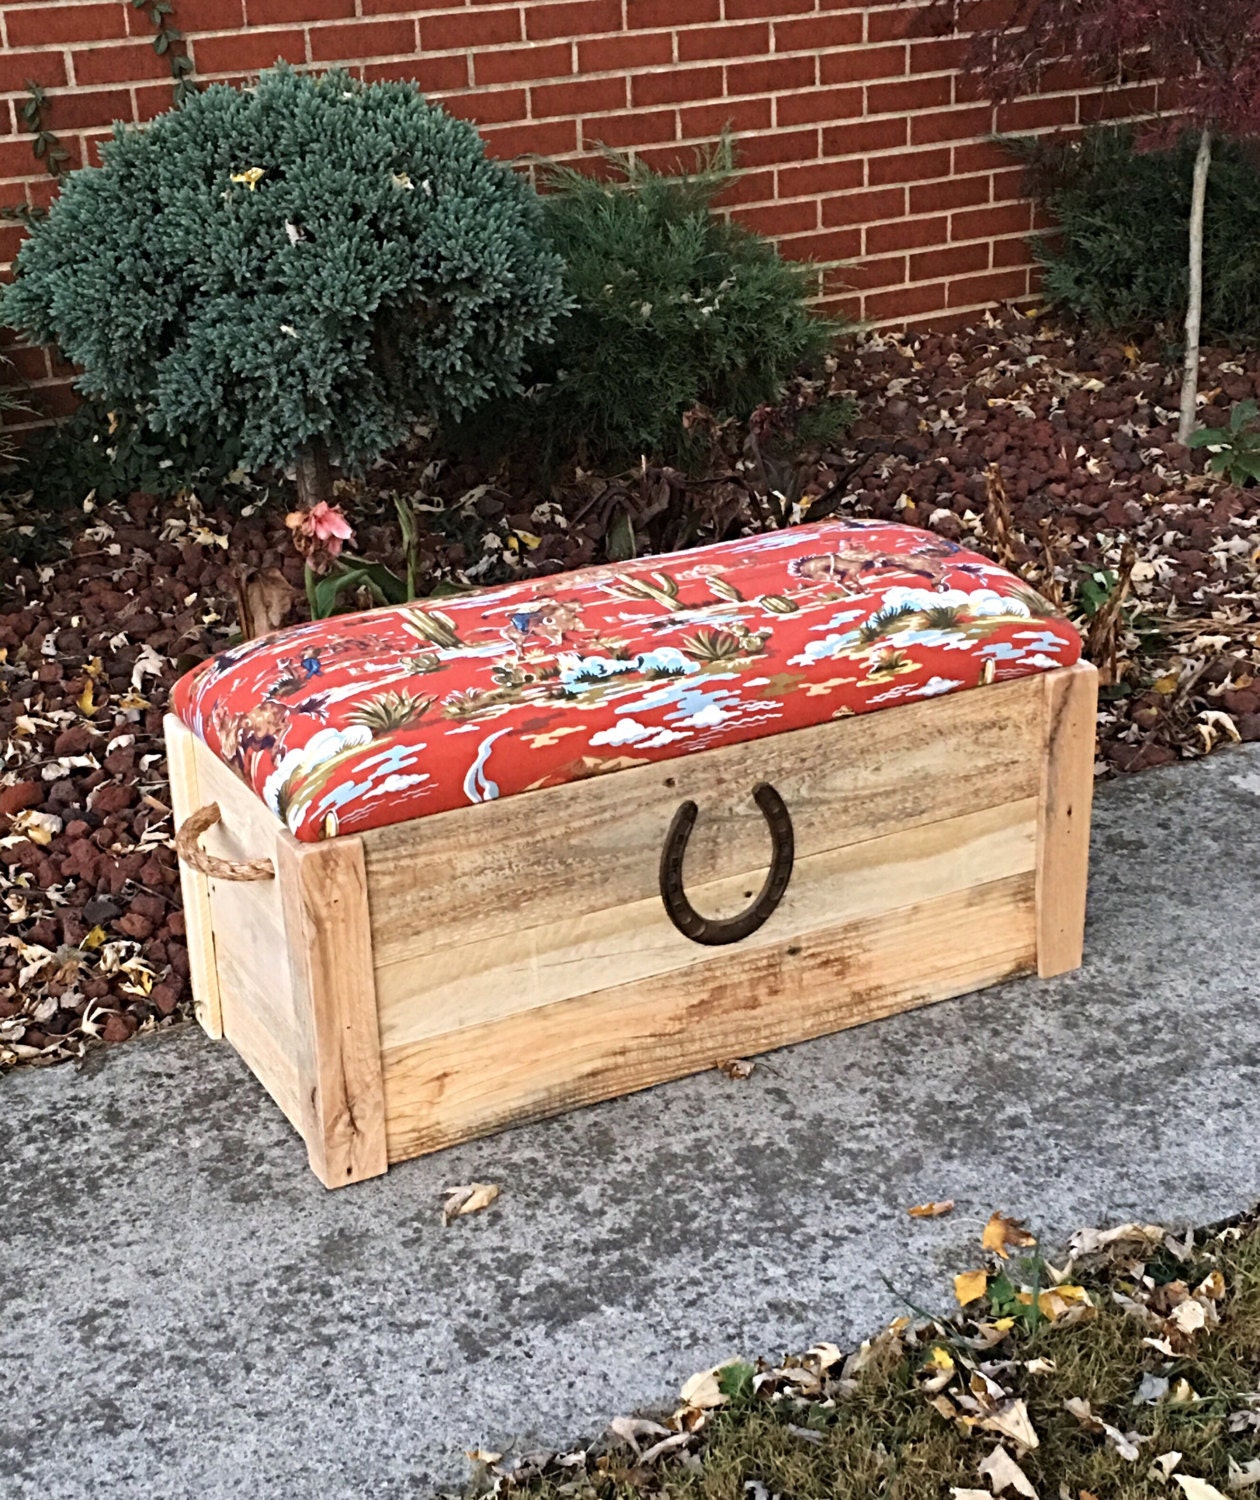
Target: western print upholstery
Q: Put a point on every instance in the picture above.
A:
(365, 720)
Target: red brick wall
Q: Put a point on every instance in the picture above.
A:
(860, 140)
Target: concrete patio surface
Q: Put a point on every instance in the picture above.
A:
(187, 1313)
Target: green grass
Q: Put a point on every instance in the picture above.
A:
(868, 1427)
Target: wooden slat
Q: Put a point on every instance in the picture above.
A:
(592, 845)
(248, 916)
(518, 971)
(271, 1054)
(251, 946)
(181, 760)
(324, 889)
(1071, 698)
(540, 1062)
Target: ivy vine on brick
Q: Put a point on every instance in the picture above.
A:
(46, 146)
(169, 43)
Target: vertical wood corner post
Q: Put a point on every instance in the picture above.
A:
(1067, 789)
(324, 895)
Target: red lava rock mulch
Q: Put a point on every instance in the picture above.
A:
(1053, 452)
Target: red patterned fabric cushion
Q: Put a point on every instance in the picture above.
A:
(370, 719)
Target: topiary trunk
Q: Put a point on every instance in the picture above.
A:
(314, 475)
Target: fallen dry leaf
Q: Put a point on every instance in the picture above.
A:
(703, 1390)
(970, 1285)
(666, 1445)
(1057, 1302)
(1212, 1287)
(481, 1456)
(1090, 1241)
(1000, 1232)
(468, 1198)
(1189, 1316)
(1126, 1444)
(631, 1429)
(1165, 1464)
(1004, 1473)
(735, 1067)
(1012, 1421)
(1243, 1476)
(932, 1210)
(1197, 1489)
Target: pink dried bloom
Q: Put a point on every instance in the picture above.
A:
(321, 530)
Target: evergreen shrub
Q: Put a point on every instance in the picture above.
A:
(673, 307)
(313, 261)
(1117, 256)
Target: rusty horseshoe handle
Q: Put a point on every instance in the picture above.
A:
(711, 930)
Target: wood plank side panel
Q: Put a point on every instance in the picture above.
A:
(518, 971)
(324, 891)
(596, 1046)
(568, 851)
(251, 946)
(1071, 706)
(181, 759)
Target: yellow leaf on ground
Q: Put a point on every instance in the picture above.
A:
(1212, 1287)
(1000, 1232)
(931, 1210)
(941, 1359)
(85, 702)
(970, 1285)
(1057, 1301)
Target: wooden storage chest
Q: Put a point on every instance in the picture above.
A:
(411, 986)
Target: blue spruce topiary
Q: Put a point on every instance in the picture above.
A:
(309, 265)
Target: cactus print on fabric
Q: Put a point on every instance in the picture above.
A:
(371, 719)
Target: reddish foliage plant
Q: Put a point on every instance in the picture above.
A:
(1204, 54)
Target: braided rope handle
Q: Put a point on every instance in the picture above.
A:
(191, 852)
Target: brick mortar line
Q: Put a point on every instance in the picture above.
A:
(324, 24)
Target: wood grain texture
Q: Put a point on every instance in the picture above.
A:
(564, 852)
(251, 944)
(181, 760)
(540, 1062)
(1071, 706)
(324, 891)
(516, 971)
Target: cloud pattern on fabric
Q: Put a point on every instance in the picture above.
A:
(364, 720)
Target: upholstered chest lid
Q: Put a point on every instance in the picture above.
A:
(370, 719)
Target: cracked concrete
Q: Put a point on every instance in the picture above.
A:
(186, 1312)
